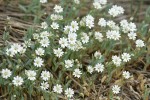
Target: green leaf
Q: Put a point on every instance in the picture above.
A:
(144, 29)
(23, 8)
(147, 15)
(6, 36)
(46, 95)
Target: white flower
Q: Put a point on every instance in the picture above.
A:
(53, 17)
(89, 21)
(97, 5)
(126, 57)
(132, 35)
(116, 89)
(83, 21)
(102, 22)
(44, 34)
(44, 25)
(102, 2)
(113, 35)
(6, 73)
(56, 17)
(35, 36)
(43, 1)
(28, 43)
(45, 75)
(90, 69)
(58, 52)
(126, 74)
(98, 36)
(85, 38)
(10, 52)
(45, 42)
(16, 47)
(132, 27)
(44, 85)
(40, 51)
(116, 10)
(116, 60)
(69, 92)
(74, 26)
(63, 42)
(57, 88)
(139, 43)
(59, 17)
(97, 55)
(72, 38)
(109, 34)
(77, 73)
(68, 63)
(76, 1)
(78, 45)
(127, 27)
(66, 29)
(55, 25)
(113, 25)
(31, 74)
(38, 62)
(116, 28)
(72, 46)
(99, 67)
(22, 50)
(17, 81)
(58, 9)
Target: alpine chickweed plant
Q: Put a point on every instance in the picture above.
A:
(70, 54)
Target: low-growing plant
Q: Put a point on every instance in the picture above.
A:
(74, 56)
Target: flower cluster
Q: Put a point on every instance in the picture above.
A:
(98, 4)
(15, 49)
(68, 92)
(64, 48)
(116, 10)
